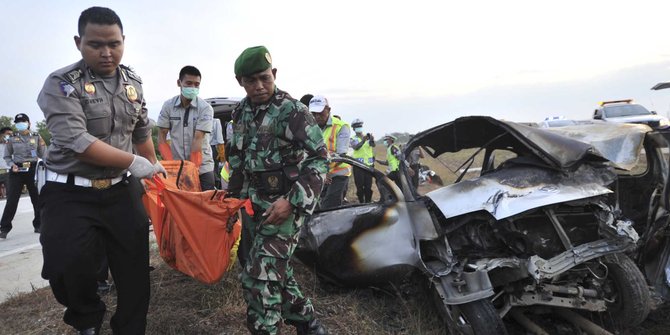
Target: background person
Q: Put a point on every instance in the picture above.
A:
(336, 134)
(393, 155)
(415, 164)
(218, 150)
(188, 119)
(90, 207)
(21, 153)
(5, 134)
(283, 185)
(363, 145)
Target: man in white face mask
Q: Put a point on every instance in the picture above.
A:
(188, 120)
(21, 153)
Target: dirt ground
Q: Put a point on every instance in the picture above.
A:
(181, 305)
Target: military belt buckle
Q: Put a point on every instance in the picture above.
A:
(101, 184)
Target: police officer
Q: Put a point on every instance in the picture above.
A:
(21, 154)
(188, 119)
(363, 152)
(95, 111)
(278, 160)
(392, 158)
(336, 134)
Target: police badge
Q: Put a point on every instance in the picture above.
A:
(89, 88)
(131, 93)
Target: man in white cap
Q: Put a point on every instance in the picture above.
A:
(336, 134)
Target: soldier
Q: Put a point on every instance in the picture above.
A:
(278, 160)
(21, 154)
(188, 119)
(91, 208)
(336, 134)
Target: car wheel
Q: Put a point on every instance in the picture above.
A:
(627, 290)
(478, 317)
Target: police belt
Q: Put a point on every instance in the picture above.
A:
(99, 184)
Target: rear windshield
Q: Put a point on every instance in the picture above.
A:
(625, 110)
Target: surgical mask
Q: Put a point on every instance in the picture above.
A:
(358, 129)
(21, 126)
(386, 143)
(190, 92)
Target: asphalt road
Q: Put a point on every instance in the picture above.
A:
(20, 254)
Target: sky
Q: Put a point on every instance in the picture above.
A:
(400, 66)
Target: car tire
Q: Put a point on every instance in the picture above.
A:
(629, 290)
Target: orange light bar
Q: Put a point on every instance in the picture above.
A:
(602, 103)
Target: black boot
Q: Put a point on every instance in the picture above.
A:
(313, 327)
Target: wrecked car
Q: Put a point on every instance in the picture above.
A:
(573, 219)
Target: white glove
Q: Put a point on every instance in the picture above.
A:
(158, 168)
(141, 167)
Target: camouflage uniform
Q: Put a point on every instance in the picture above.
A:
(266, 138)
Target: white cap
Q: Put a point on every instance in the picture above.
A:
(317, 104)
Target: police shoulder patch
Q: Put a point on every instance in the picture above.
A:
(132, 73)
(73, 76)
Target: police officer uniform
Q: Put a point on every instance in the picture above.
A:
(91, 211)
(363, 152)
(22, 150)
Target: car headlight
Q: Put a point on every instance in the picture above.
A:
(664, 123)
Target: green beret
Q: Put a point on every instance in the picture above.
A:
(253, 60)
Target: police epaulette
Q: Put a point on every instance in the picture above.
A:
(73, 76)
(132, 73)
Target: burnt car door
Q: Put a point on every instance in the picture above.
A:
(361, 244)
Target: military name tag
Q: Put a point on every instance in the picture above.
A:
(131, 92)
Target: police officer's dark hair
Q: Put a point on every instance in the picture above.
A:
(98, 15)
(306, 98)
(5, 129)
(190, 70)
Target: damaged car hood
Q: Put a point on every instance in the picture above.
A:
(514, 190)
(572, 163)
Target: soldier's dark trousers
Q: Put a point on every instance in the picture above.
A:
(76, 223)
(15, 182)
(363, 181)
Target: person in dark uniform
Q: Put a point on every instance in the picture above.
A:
(21, 154)
(91, 208)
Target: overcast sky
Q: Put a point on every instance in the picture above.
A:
(398, 65)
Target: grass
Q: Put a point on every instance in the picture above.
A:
(181, 305)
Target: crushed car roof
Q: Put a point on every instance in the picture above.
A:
(560, 148)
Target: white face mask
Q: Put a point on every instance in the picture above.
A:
(6, 137)
(190, 92)
(21, 126)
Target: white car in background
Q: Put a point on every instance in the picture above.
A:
(625, 111)
(556, 121)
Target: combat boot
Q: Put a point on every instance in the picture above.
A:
(313, 327)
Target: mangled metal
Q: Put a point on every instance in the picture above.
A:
(550, 226)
